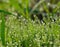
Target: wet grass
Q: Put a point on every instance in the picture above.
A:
(24, 32)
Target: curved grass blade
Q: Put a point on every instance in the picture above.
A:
(6, 12)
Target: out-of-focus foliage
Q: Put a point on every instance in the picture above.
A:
(24, 32)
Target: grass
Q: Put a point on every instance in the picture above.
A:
(26, 33)
(3, 29)
(23, 32)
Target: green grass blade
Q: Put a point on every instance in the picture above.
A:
(6, 12)
(3, 29)
(17, 7)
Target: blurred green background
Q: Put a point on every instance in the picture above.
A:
(18, 29)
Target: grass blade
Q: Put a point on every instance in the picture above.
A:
(3, 29)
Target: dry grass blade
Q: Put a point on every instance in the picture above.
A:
(36, 5)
